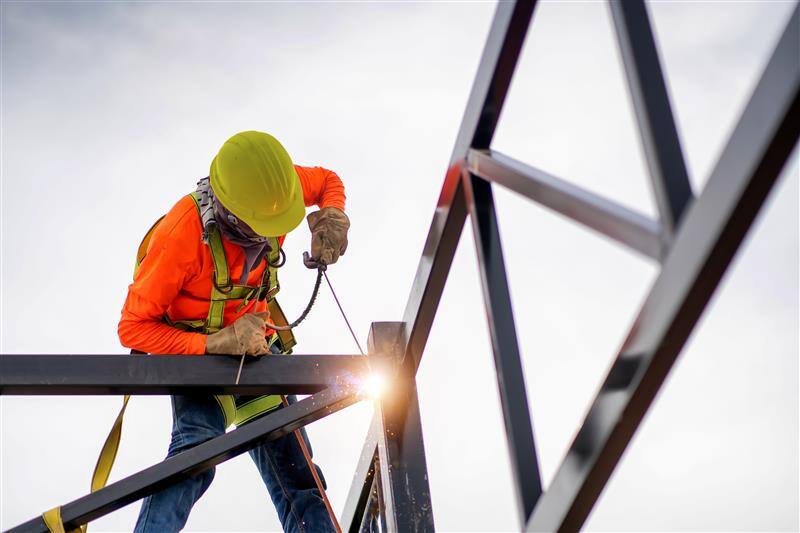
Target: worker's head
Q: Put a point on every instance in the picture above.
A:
(253, 177)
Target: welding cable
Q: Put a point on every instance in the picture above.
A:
(314, 473)
(303, 315)
(305, 312)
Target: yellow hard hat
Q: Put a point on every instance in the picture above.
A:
(254, 178)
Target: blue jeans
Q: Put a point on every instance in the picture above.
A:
(280, 462)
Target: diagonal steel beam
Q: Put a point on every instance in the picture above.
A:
(662, 147)
(497, 64)
(174, 374)
(496, 67)
(709, 236)
(197, 459)
(359, 494)
(608, 218)
(372, 509)
(500, 316)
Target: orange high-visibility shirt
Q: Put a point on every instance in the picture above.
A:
(175, 276)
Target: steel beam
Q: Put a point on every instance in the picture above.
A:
(369, 519)
(174, 374)
(496, 67)
(626, 226)
(662, 147)
(708, 238)
(197, 459)
(406, 499)
(500, 317)
(359, 493)
(497, 64)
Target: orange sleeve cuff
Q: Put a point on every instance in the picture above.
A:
(197, 344)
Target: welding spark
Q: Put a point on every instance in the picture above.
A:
(374, 385)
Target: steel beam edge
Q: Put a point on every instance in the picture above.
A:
(173, 374)
(659, 135)
(496, 67)
(197, 459)
(358, 495)
(622, 224)
(710, 234)
(505, 347)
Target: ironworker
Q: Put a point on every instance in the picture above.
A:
(205, 282)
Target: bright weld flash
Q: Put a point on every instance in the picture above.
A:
(374, 385)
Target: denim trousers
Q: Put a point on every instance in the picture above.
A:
(280, 462)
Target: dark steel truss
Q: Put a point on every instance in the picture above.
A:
(694, 240)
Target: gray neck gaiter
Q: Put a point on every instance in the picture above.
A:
(212, 211)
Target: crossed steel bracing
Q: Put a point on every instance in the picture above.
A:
(694, 240)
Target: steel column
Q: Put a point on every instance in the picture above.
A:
(660, 141)
(500, 317)
(709, 236)
(197, 459)
(403, 473)
(174, 374)
(608, 218)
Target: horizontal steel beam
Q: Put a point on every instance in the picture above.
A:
(624, 225)
(174, 374)
(197, 459)
(708, 238)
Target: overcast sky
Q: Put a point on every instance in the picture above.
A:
(112, 111)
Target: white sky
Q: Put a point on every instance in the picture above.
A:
(111, 112)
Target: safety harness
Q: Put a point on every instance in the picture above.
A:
(223, 290)
(236, 411)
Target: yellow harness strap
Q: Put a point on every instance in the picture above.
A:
(102, 471)
(52, 520)
(109, 452)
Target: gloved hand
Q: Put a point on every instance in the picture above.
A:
(328, 228)
(244, 337)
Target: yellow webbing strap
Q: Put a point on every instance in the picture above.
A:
(216, 312)
(102, 471)
(222, 277)
(109, 452)
(52, 519)
(255, 407)
(228, 406)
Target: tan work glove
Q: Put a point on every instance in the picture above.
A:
(328, 228)
(244, 337)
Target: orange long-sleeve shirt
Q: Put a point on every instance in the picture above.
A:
(176, 275)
